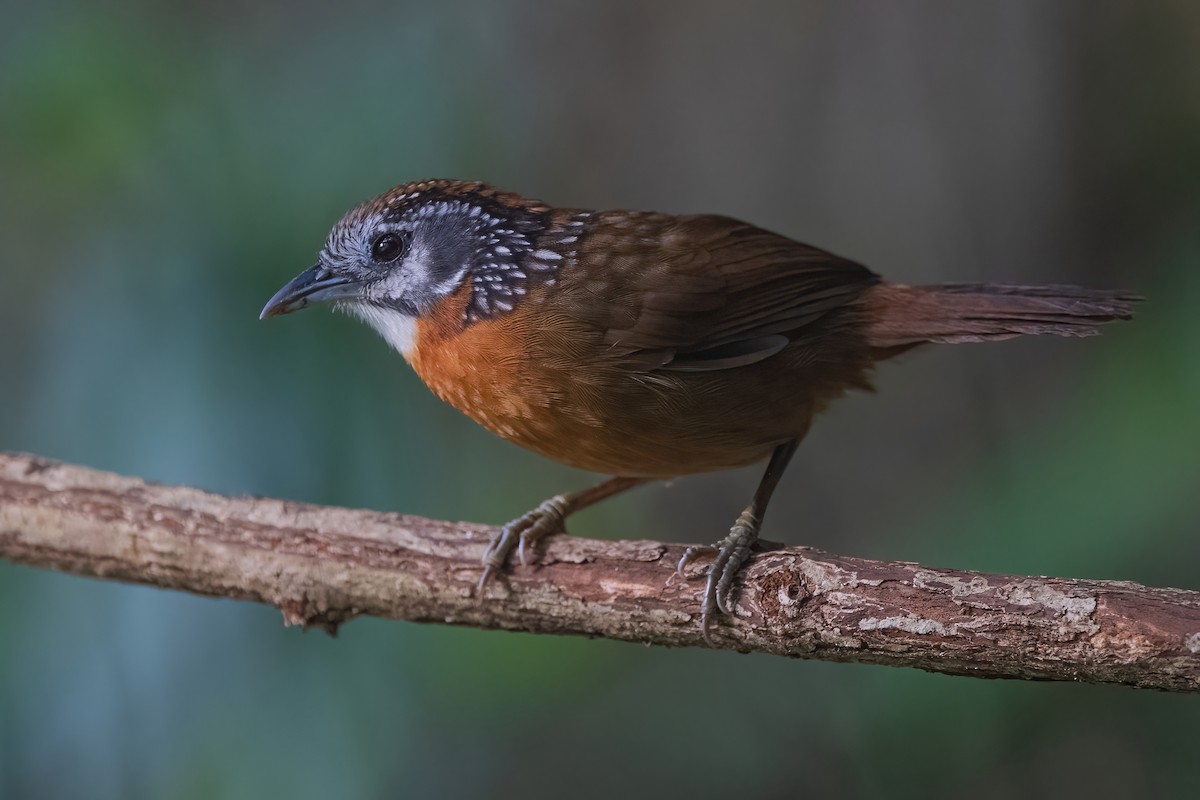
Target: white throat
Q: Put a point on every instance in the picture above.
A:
(397, 329)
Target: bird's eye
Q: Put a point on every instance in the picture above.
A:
(390, 246)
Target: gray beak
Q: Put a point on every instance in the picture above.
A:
(315, 284)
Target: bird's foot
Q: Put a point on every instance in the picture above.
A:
(522, 533)
(730, 554)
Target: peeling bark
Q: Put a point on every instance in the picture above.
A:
(323, 566)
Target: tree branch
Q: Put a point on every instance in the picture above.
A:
(322, 566)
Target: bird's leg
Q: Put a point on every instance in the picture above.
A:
(524, 531)
(732, 552)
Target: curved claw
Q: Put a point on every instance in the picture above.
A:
(497, 552)
(488, 571)
(690, 555)
(739, 553)
(731, 554)
(707, 617)
(706, 621)
(500, 546)
(522, 533)
(544, 520)
(712, 587)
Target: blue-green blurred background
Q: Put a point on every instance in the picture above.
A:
(164, 167)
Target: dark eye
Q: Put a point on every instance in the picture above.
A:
(390, 246)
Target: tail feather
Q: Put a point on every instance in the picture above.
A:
(903, 316)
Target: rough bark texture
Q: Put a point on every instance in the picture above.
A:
(322, 566)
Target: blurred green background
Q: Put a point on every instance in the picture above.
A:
(164, 167)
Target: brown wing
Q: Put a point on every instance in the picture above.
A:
(707, 292)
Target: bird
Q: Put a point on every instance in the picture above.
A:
(643, 345)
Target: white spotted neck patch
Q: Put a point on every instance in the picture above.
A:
(511, 261)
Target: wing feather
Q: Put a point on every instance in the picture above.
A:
(717, 294)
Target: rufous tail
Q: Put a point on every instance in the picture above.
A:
(905, 316)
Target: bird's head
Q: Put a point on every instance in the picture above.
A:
(392, 259)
